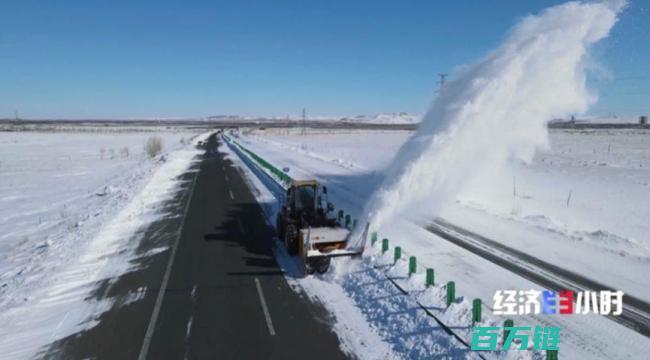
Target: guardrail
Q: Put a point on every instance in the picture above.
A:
(387, 264)
(280, 176)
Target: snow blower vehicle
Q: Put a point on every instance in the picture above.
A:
(307, 229)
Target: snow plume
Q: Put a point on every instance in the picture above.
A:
(496, 109)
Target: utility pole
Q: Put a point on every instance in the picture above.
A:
(304, 121)
(441, 82)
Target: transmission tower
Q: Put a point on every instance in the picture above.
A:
(441, 82)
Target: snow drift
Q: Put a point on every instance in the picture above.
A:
(496, 109)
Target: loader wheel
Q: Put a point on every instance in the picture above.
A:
(322, 265)
(309, 266)
(279, 227)
(291, 239)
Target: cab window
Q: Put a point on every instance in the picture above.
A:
(305, 197)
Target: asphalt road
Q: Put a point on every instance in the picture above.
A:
(217, 293)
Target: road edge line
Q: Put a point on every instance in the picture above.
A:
(144, 350)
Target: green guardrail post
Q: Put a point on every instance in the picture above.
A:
(430, 277)
(451, 292)
(413, 265)
(551, 355)
(373, 238)
(476, 311)
(398, 253)
(340, 217)
(384, 246)
(348, 219)
(507, 324)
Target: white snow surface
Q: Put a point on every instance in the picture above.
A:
(605, 222)
(70, 219)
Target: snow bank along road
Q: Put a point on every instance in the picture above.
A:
(216, 293)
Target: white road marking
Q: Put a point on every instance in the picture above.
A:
(148, 336)
(232, 197)
(108, 288)
(269, 323)
(56, 330)
(188, 328)
(65, 317)
(188, 331)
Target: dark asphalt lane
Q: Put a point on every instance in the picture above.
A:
(225, 296)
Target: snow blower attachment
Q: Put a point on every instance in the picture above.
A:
(307, 230)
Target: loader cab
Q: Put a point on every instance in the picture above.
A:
(304, 203)
(301, 200)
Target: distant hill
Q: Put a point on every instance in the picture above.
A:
(382, 118)
(385, 118)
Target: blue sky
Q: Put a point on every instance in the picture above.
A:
(119, 59)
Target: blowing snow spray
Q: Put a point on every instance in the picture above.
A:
(496, 109)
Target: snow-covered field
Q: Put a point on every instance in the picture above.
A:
(69, 202)
(579, 205)
(604, 221)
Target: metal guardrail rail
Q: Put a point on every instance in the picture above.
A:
(284, 179)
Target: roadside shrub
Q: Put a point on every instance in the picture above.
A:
(124, 152)
(153, 147)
